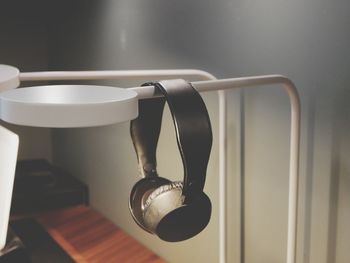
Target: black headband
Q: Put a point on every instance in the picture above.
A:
(193, 132)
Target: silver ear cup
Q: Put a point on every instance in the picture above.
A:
(186, 221)
(140, 193)
(166, 215)
(160, 202)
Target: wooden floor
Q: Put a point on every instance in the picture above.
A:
(90, 238)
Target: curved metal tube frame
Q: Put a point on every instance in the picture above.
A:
(211, 84)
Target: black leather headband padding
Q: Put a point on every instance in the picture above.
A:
(145, 133)
(193, 131)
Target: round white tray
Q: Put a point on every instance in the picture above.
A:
(64, 106)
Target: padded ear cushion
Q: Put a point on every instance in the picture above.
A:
(160, 202)
(162, 189)
(186, 221)
(140, 193)
(166, 215)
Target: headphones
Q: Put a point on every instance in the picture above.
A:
(174, 211)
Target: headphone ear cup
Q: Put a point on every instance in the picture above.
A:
(166, 215)
(140, 193)
(160, 202)
(186, 221)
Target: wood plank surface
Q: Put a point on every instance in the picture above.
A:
(88, 237)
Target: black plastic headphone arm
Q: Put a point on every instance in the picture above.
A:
(145, 131)
(193, 132)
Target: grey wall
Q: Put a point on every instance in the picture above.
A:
(305, 40)
(23, 44)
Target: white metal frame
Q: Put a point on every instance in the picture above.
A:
(211, 84)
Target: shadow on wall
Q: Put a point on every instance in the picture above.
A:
(181, 21)
(339, 174)
(339, 183)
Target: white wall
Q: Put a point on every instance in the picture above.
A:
(23, 44)
(305, 40)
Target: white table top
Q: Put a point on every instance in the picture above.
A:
(67, 106)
